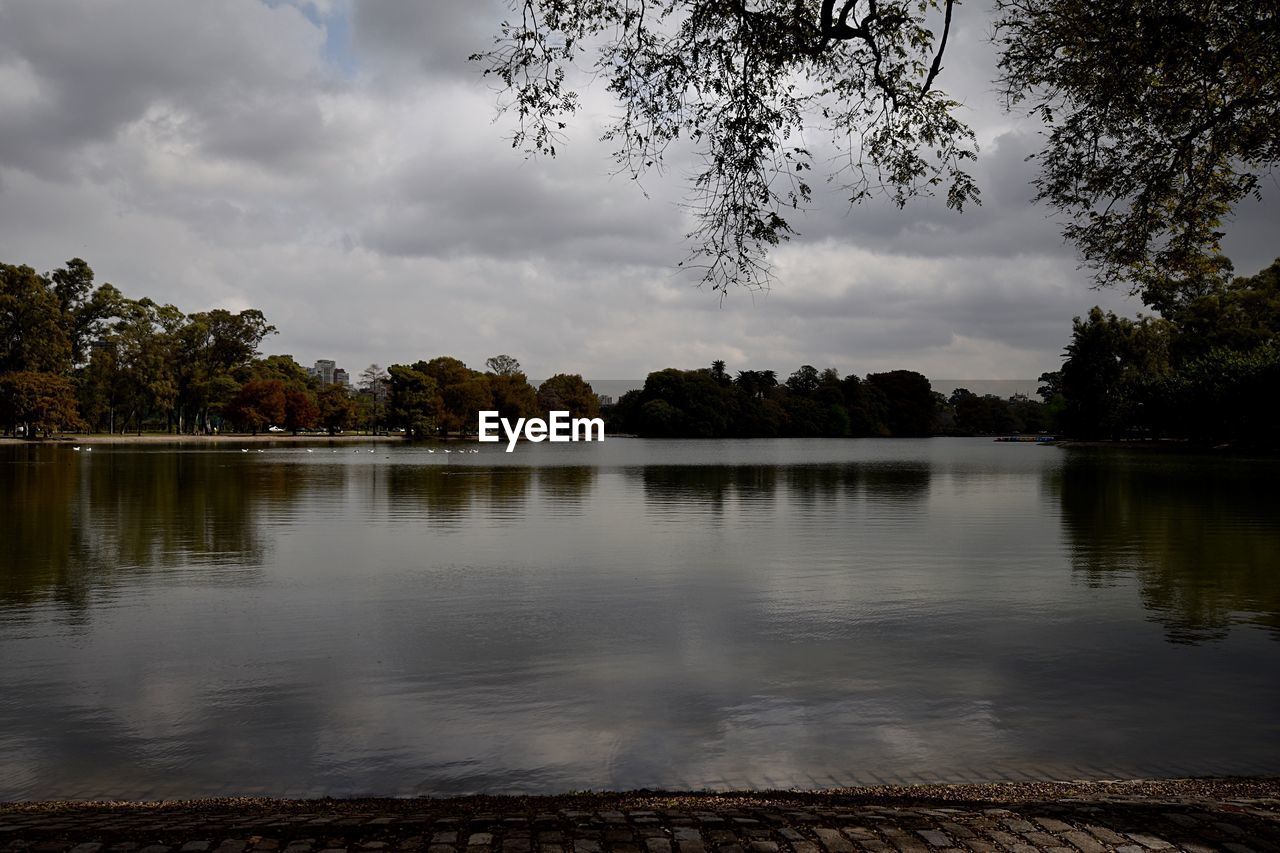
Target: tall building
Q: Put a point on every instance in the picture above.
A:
(327, 372)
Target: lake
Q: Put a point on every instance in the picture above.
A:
(183, 621)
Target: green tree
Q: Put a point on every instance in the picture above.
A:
(212, 345)
(568, 392)
(85, 309)
(1161, 118)
(415, 403)
(337, 410)
(33, 333)
(745, 85)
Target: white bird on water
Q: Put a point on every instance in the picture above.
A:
(244, 450)
(88, 450)
(429, 450)
(309, 450)
(76, 448)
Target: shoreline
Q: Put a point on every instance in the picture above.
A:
(1132, 816)
(1196, 787)
(167, 438)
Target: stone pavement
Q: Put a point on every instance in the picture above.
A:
(1129, 817)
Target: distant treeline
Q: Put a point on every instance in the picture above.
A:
(78, 356)
(711, 403)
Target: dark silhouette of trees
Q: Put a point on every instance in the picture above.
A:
(1161, 116)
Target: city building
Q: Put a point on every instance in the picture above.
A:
(327, 372)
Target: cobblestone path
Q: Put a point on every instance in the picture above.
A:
(1130, 817)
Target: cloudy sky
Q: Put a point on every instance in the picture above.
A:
(336, 163)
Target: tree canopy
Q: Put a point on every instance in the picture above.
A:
(744, 82)
(1161, 116)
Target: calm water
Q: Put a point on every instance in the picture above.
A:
(180, 622)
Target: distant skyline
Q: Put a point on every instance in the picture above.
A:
(337, 165)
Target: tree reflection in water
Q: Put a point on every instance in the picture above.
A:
(1199, 535)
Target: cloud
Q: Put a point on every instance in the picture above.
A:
(338, 165)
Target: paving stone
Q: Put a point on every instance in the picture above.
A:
(832, 840)
(1105, 835)
(1083, 841)
(1149, 841)
(934, 837)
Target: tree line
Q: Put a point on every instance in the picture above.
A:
(712, 403)
(80, 356)
(75, 355)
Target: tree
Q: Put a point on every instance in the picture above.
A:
(336, 409)
(718, 371)
(42, 402)
(415, 403)
(33, 334)
(513, 397)
(805, 380)
(746, 85)
(503, 365)
(300, 410)
(909, 401)
(375, 388)
(259, 403)
(85, 309)
(1162, 116)
(568, 392)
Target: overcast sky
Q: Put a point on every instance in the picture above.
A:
(336, 163)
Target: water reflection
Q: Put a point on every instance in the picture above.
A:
(672, 490)
(829, 613)
(72, 524)
(1201, 537)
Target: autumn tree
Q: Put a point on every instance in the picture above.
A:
(258, 404)
(300, 410)
(44, 403)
